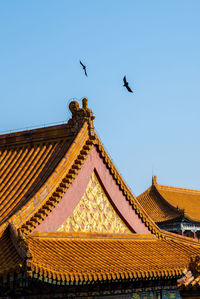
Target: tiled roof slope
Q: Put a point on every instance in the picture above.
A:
(82, 257)
(131, 257)
(27, 159)
(185, 199)
(164, 203)
(156, 207)
(38, 166)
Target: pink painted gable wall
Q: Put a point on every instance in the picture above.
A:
(74, 194)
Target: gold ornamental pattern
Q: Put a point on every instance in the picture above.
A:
(94, 213)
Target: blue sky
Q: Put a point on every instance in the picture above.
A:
(156, 44)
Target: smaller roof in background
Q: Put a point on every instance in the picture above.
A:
(164, 203)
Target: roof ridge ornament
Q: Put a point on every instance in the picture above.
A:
(191, 275)
(20, 242)
(79, 115)
(154, 180)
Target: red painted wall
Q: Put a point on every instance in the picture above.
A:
(73, 195)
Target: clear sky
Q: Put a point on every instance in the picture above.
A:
(156, 44)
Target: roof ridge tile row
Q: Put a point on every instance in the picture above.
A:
(177, 189)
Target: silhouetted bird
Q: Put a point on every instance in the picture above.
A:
(126, 84)
(84, 67)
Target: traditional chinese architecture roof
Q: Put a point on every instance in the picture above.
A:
(75, 257)
(38, 166)
(61, 197)
(165, 203)
(122, 256)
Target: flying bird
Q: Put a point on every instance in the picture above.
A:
(84, 68)
(126, 84)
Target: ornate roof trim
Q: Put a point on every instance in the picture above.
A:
(72, 172)
(126, 191)
(191, 276)
(79, 157)
(39, 270)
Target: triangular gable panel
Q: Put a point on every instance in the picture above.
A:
(94, 213)
(94, 194)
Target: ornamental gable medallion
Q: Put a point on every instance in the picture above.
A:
(94, 213)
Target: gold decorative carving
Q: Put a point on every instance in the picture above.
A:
(94, 213)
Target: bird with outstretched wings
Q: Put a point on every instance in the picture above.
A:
(84, 68)
(126, 84)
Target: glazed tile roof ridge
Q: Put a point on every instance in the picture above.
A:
(177, 189)
(179, 238)
(141, 212)
(42, 134)
(89, 235)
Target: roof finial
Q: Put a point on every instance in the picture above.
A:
(79, 115)
(154, 180)
(85, 103)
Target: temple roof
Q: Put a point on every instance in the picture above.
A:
(164, 203)
(75, 257)
(38, 168)
(81, 256)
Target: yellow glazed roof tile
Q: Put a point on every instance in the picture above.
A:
(164, 203)
(156, 207)
(77, 257)
(185, 199)
(24, 168)
(91, 257)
